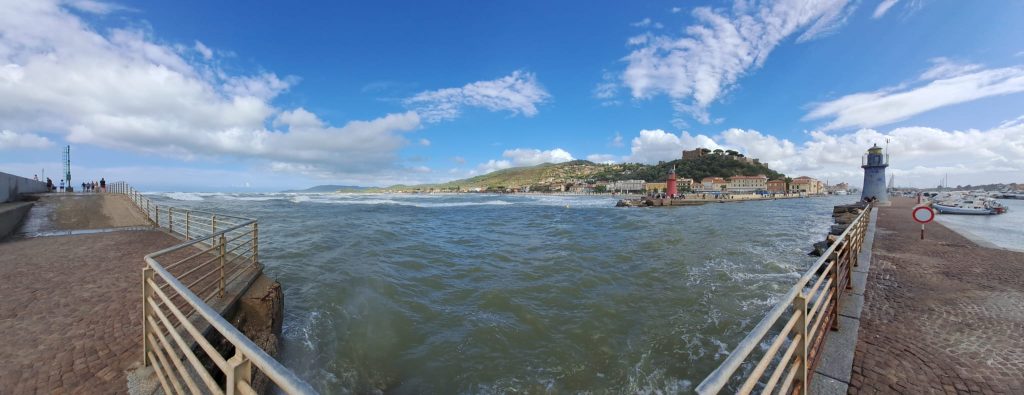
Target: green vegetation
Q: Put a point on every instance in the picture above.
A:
(547, 176)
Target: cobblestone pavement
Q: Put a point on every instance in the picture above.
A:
(941, 315)
(70, 311)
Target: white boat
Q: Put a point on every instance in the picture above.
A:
(978, 206)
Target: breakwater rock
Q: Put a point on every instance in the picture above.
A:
(843, 215)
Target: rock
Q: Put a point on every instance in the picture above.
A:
(621, 203)
(819, 248)
(837, 229)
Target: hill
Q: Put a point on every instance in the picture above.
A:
(327, 188)
(581, 170)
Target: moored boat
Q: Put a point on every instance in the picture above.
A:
(980, 206)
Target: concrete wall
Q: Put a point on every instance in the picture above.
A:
(11, 186)
(11, 215)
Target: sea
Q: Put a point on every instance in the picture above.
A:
(1004, 231)
(477, 293)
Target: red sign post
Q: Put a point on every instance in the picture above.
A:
(923, 215)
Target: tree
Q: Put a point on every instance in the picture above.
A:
(601, 189)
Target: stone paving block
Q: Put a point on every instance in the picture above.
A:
(823, 385)
(837, 353)
(851, 305)
(860, 281)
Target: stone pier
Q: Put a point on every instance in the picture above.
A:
(940, 315)
(71, 297)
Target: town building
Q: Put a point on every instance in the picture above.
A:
(684, 184)
(713, 184)
(776, 186)
(747, 184)
(656, 187)
(840, 187)
(628, 186)
(806, 185)
(695, 154)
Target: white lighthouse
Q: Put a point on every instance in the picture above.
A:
(874, 164)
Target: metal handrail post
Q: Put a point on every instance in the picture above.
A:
(835, 287)
(239, 371)
(223, 251)
(188, 219)
(255, 243)
(801, 303)
(147, 293)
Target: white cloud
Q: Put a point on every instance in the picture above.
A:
(656, 145)
(123, 89)
(945, 68)
(14, 140)
(425, 142)
(676, 10)
(617, 140)
(518, 93)
(885, 106)
(920, 155)
(523, 157)
(883, 7)
(697, 68)
(531, 157)
(458, 159)
(204, 50)
(490, 166)
(647, 22)
(603, 158)
(94, 6)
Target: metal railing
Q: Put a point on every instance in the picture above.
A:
(780, 352)
(178, 282)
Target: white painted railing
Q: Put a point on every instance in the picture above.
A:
(177, 283)
(780, 352)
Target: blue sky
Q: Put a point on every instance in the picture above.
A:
(197, 95)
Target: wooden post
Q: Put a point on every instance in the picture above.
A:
(188, 219)
(170, 219)
(801, 305)
(838, 258)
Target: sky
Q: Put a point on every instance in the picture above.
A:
(265, 96)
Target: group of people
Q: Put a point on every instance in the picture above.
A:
(91, 186)
(95, 186)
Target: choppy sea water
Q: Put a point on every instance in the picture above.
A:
(412, 294)
(1003, 231)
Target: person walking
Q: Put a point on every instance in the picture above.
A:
(62, 185)
(103, 185)
(49, 185)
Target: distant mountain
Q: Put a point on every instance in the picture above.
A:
(328, 188)
(715, 165)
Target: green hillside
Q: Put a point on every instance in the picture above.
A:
(720, 165)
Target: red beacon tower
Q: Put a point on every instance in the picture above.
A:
(672, 192)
